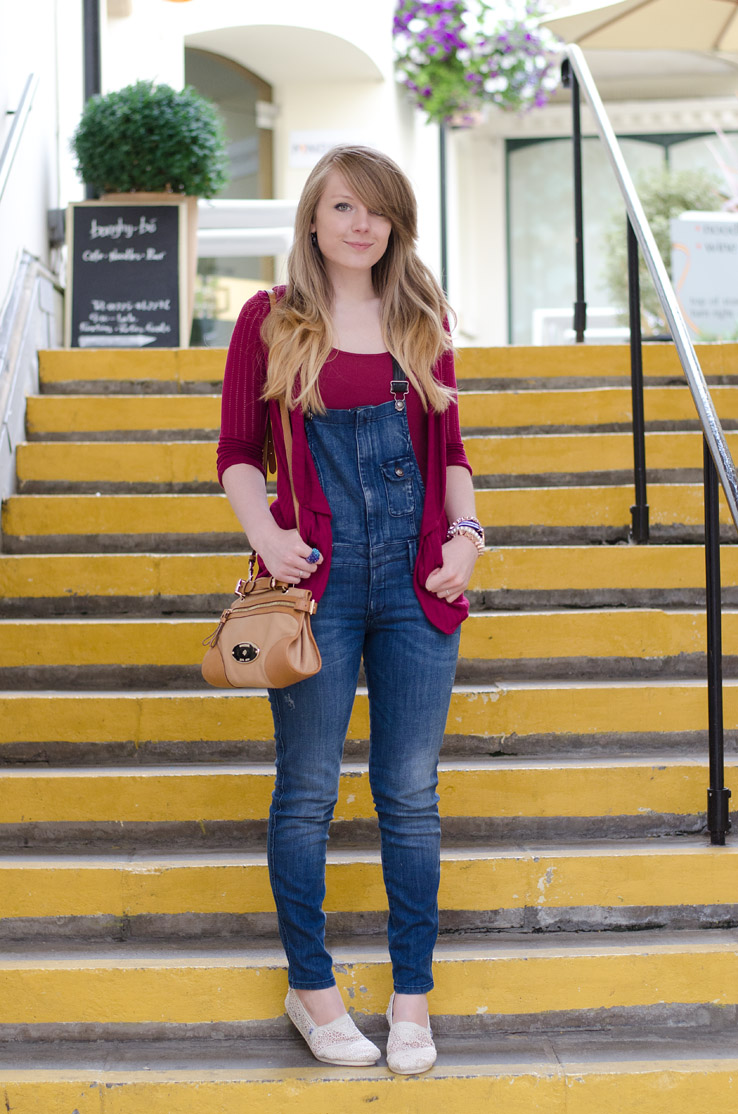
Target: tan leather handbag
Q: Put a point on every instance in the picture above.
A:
(264, 639)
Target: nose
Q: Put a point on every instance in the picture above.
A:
(361, 217)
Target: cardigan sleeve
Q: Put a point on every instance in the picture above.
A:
(243, 410)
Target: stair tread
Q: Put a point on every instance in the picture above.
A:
(222, 952)
(187, 516)
(490, 1053)
(668, 846)
(652, 759)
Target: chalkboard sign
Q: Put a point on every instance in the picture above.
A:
(127, 275)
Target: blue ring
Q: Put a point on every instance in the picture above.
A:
(314, 556)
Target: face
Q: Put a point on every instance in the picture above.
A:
(350, 236)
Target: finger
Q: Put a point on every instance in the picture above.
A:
(436, 580)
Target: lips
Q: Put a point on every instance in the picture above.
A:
(360, 246)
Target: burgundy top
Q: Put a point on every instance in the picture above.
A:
(347, 380)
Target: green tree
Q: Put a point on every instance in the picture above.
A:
(664, 194)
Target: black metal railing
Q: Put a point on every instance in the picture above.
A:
(718, 463)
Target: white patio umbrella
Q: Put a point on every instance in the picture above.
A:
(699, 25)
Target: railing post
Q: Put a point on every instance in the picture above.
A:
(639, 511)
(718, 816)
(569, 79)
(92, 65)
(443, 205)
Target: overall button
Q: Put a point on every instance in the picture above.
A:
(399, 471)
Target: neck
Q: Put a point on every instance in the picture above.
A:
(351, 286)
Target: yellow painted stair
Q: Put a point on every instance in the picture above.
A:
(588, 958)
(64, 465)
(60, 583)
(554, 1075)
(183, 522)
(156, 417)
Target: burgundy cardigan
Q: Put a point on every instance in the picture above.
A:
(347, 380)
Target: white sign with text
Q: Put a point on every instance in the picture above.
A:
(704, 267)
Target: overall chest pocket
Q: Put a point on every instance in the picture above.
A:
(398, 481)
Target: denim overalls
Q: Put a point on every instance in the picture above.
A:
(367, 469)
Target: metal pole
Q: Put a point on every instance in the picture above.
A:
(92, 65)
(442, 203)
(662, 284)
(639, 511)
(580, 306)
(718, 815)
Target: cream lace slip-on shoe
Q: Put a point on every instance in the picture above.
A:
(410, 1047)
(339, 1042)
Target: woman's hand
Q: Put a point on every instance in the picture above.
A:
(459, 558)
(284, 553)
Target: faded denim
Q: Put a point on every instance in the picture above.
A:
(368, 471)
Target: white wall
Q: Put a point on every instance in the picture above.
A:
(43, 36)
(142, 40)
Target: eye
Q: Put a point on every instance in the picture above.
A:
(342, 206)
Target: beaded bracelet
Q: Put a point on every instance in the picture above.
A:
(470, 523)
(471, 534)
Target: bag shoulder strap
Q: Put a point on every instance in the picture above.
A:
(287, 433)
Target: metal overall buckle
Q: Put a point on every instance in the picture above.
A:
(398, 390)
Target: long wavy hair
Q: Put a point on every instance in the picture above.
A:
(299, 330)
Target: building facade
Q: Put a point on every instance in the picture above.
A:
(294, 81)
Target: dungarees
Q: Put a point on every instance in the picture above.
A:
(368, 472)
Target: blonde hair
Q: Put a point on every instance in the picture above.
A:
(299, 331)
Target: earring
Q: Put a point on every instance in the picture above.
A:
(314, 239)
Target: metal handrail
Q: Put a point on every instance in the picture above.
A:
(20, 116)
(685, 349)
(718, 463)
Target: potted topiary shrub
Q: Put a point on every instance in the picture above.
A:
(153, 142)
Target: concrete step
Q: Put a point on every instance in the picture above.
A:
(60, 466)
(507, 578)
(106, 370)
(661, 1072)
(91, 370)
(124, 417)
(502, 982)
(183, 523)
(548, 887)
(547, 458)
(576, 718)
(577, 363)
(164, 417)
(618, 792)
(588, 407)
(621, 642)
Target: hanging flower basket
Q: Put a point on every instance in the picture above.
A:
(457, 56)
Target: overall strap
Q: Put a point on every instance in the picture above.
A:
(399, 385)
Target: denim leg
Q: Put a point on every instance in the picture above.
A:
(410, 668)
(310, 723)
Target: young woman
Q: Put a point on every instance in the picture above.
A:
(357, 342)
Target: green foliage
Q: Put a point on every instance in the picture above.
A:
(664, 194)
(151, 137)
